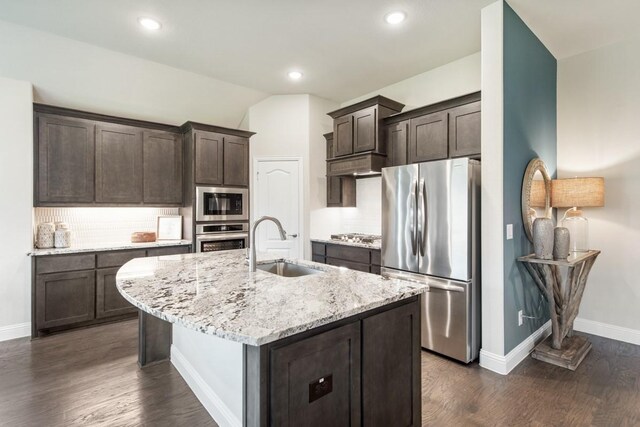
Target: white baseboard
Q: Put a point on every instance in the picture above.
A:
(606, 330)
(209, 399)
(505, 364)
(19, 330)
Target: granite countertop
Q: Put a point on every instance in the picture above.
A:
(215, 293)
(377, 244)
(107, 247)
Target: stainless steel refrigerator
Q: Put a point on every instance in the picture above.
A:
(431, 234)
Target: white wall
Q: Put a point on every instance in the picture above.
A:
(599, 135)
(16, 201)
(448, 81)
(292, 126)
(77, 75)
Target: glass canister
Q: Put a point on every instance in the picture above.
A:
(578, 227)
(45, 235)
(62, 235)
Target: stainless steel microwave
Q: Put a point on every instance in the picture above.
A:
(222, 204)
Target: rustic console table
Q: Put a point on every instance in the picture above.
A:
(562, 283)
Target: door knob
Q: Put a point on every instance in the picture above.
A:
(293, 235)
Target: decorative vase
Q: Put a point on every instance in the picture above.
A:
(543, 238)
(62, 236)
(561, 238)
(45, 235)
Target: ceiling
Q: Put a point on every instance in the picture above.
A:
(343, 47)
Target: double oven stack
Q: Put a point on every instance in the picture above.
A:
(221, 219)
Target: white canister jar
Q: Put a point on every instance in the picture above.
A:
(62, 237)
(45, 235)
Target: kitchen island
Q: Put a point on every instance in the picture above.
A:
(331, 347)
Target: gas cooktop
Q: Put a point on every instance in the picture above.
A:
(356, 238)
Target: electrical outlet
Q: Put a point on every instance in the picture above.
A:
(520, 318)
(509, 231)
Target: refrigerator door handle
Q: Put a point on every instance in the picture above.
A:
(450, 288)
(422, 217)
(414, 219)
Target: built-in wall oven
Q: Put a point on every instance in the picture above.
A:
(222, 204)
(221, 237)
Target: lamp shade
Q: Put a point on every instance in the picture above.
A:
(538, 195)
(577, 192)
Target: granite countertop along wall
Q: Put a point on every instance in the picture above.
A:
(375, 245)
(108, 247)
(214, 293)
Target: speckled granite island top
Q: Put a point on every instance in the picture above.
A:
(214, 293)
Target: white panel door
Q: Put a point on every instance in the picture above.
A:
(278, 195)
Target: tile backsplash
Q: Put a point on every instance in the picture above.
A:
(367, 216)
(98, 226)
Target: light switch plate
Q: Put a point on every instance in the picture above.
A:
(509, 231)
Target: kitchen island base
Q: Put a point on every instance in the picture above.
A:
(360, 371)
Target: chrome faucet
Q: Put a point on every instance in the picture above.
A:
(252, 238)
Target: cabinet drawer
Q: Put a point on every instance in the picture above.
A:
(376, 257)
(348, 264)
(57, 263)
(318, 248)
(118, 259)
(348, 253)
(173, 250)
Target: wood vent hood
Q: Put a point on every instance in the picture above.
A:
(358, 165)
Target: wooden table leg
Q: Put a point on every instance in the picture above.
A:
(154, 339)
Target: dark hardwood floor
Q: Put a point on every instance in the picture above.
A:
(90, 378)
(603, 391)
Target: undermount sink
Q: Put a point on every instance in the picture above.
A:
(287, 269)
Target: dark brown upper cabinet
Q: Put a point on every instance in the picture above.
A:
(209, 158)
(343, 131)
(329, 141)
(428, 138)
(444, 130)
(162, 168)
(216, 155)
(87, 159)
(64, 160)
(356, 128)
(236, 161)
(118, 164)
(397, 140)
(464, 130)
(341, 191)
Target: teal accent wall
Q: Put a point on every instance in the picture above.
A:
(530, 80)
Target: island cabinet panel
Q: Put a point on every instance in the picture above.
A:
(65, 299)
(65, 165)
(109, 302)
(236, 161)
(118, 164)
(162, 168)
(365, 128)
(397, 136)
(391, 383)
(351, 257)
(209, 158)
(316, 381)
(428, 138)
(464, 130)
(343, 136)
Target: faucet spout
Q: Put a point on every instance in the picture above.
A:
(252, 238)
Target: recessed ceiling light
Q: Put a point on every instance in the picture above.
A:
(395, 18)
(295, 75)
(149, 24)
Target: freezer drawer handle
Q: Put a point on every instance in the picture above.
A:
(451, 288)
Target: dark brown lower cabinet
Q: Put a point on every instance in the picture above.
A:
(109, 302)
(351, 257)
(316, 381)
(359, 371)
(78, 290)
(65, 298)
(391, 386)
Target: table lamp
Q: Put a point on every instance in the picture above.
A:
(575, 193)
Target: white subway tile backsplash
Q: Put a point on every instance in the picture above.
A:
(366, 217)
(91, 226)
